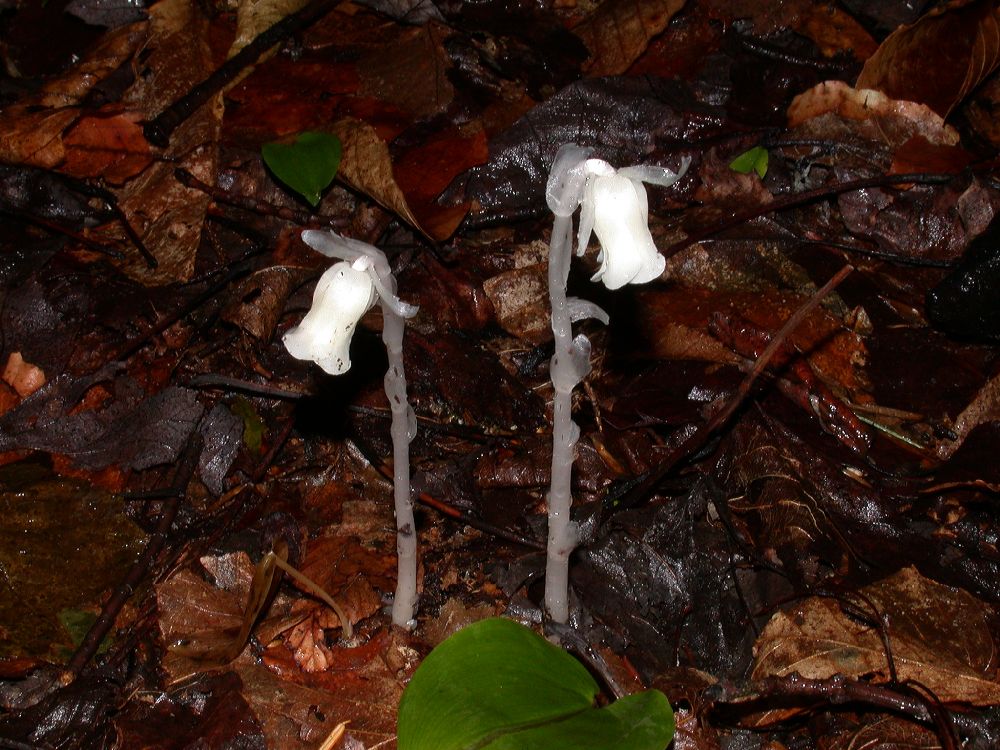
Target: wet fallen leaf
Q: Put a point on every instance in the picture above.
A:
(940, 637)
(366, 166)
(49, 556)
(619, 31)
(941, 58)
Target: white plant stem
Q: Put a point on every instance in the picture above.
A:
(402, 430)
(563, 534)
(370, 259)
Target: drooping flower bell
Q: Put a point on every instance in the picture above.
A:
(343, 295)
(615, 208)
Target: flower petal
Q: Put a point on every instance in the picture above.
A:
(342, 296)
(628, 252)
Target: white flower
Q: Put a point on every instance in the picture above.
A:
(615, 208)
(344, 293)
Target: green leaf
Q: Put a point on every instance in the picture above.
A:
(496, 685)
(308, 165)
(253, 426)
(754, 160)
(77, 623)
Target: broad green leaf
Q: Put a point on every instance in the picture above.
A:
(643, 721)
(754, 160)
(306, 166)
(496, 685)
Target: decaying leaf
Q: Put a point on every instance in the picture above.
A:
(940, 637)
(49, 556)
(133, 430)
(620, 30)
(366, 166)
(256, 16)
(259, 300)
(939, 59)
(412, 72)
(109, 145)
(167, 215)
(907, 118)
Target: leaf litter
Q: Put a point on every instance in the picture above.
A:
(832, 542)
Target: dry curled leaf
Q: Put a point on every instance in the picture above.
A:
(864, 104)
(939, 59)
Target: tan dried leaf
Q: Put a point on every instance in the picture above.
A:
(112, 51)
(940, 636)
(34, 138)
(256, 16)
(23, 377)
(619, 31)
(199, 621)
(907, 118)
(520, 298)
(984, 408)
(366, 166)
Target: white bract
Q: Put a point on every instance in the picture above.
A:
(344, 294)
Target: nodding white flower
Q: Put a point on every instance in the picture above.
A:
(615, 208)
(344, 293)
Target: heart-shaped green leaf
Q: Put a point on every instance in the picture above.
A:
(496, 685)
(306, 166)
(754, 160)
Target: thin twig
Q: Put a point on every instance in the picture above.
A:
(840, 690)
(257, 206)
(700, 436)
(791, 200)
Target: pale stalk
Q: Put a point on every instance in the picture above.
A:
(562, 532)
(402, 431)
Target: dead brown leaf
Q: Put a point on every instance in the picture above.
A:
(620, 30)
(366, 166)
(878, 732)
(984, 408)
(890, 119)
(168, 216)
(197, 620)
(299, 716)
(34, 138)
(411, 73)
(939, 59)
(259, 300)
(941, 638)
(521, 297)
(109, 145)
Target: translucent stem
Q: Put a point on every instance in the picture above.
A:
(565, 372)
(402, 430)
